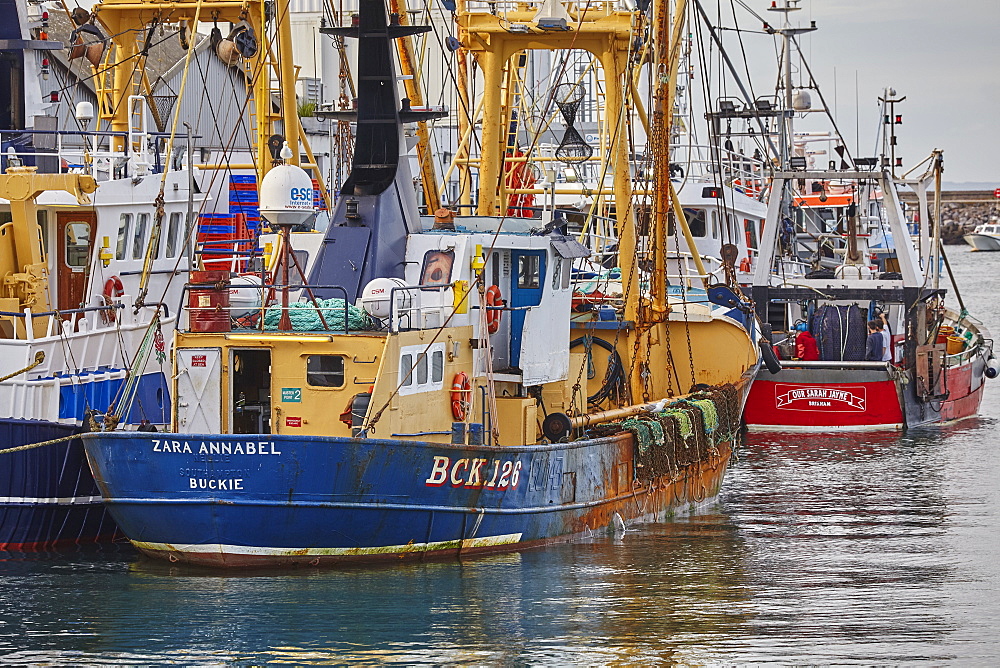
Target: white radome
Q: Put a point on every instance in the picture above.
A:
(286, 195)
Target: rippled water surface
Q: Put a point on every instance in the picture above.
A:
(831, 549)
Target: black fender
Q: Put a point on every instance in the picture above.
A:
(771, 360)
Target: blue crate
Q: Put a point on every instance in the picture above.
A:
(215, 229)
(244, 196)
(245, 209)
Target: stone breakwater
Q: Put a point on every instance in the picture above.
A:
(960, 218)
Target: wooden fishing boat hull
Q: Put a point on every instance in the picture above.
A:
(278, 500)
(48, 497)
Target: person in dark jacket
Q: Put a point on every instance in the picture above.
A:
(873, 347)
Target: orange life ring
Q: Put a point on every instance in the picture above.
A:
(113, 289)
(461, 388)
(745, 265)
(493, 298)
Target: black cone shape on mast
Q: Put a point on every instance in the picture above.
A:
(376, 148)
(377, 207)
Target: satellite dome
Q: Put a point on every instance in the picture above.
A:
(286, 195)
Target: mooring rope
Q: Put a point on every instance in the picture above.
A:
(40, 444)
(39, 358)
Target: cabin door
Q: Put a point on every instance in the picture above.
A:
(199, 391)
(251, 391)
(74, 231)
(527, 280)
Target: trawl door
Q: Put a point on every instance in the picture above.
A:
(199, 391)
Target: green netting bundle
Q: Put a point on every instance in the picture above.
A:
(683, 421)
(685, 432)
(709, 414)
(305, 317)
(642, 432)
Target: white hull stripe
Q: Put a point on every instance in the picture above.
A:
(60, 501)
(216, 548)
(823, 428)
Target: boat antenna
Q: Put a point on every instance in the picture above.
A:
(891, 119)
(732, 69)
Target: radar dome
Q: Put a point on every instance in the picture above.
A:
(801, 100)
(286, 195)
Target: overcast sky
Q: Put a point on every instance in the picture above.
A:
(943, 55)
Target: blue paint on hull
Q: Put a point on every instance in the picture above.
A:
(279, 500)
(152, 398)
(48, 496)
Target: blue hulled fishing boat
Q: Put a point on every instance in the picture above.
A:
(434, 393)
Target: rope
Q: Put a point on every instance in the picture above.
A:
(306, 316)
(39, 358)
(30, 446)
(154, 236)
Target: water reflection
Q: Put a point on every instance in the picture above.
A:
(839, 548)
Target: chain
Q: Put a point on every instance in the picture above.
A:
(687, 333)
(645, 373)
(579, 380)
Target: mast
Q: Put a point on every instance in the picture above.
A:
(286, 80)
(786, 31)
(787, 135)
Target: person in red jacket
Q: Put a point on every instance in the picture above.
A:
(805, 347)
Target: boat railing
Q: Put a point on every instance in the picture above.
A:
(247, 316)
(713, 164)
(92, 155)
(69, 322)
(410, 311)
(590, 10)
(837, 364)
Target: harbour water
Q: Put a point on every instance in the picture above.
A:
(845, 548)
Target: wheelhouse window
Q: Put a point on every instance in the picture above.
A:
(696, 221)
(174, 232)
(123, 229)
(437, 366)
(529, 271)
(437, 266)
(139, 239)
(421, 368)
(751, 232)
(325, 370)
(406, 370)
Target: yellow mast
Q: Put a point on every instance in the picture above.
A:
(129, 21)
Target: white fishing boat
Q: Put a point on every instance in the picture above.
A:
(985, 237)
